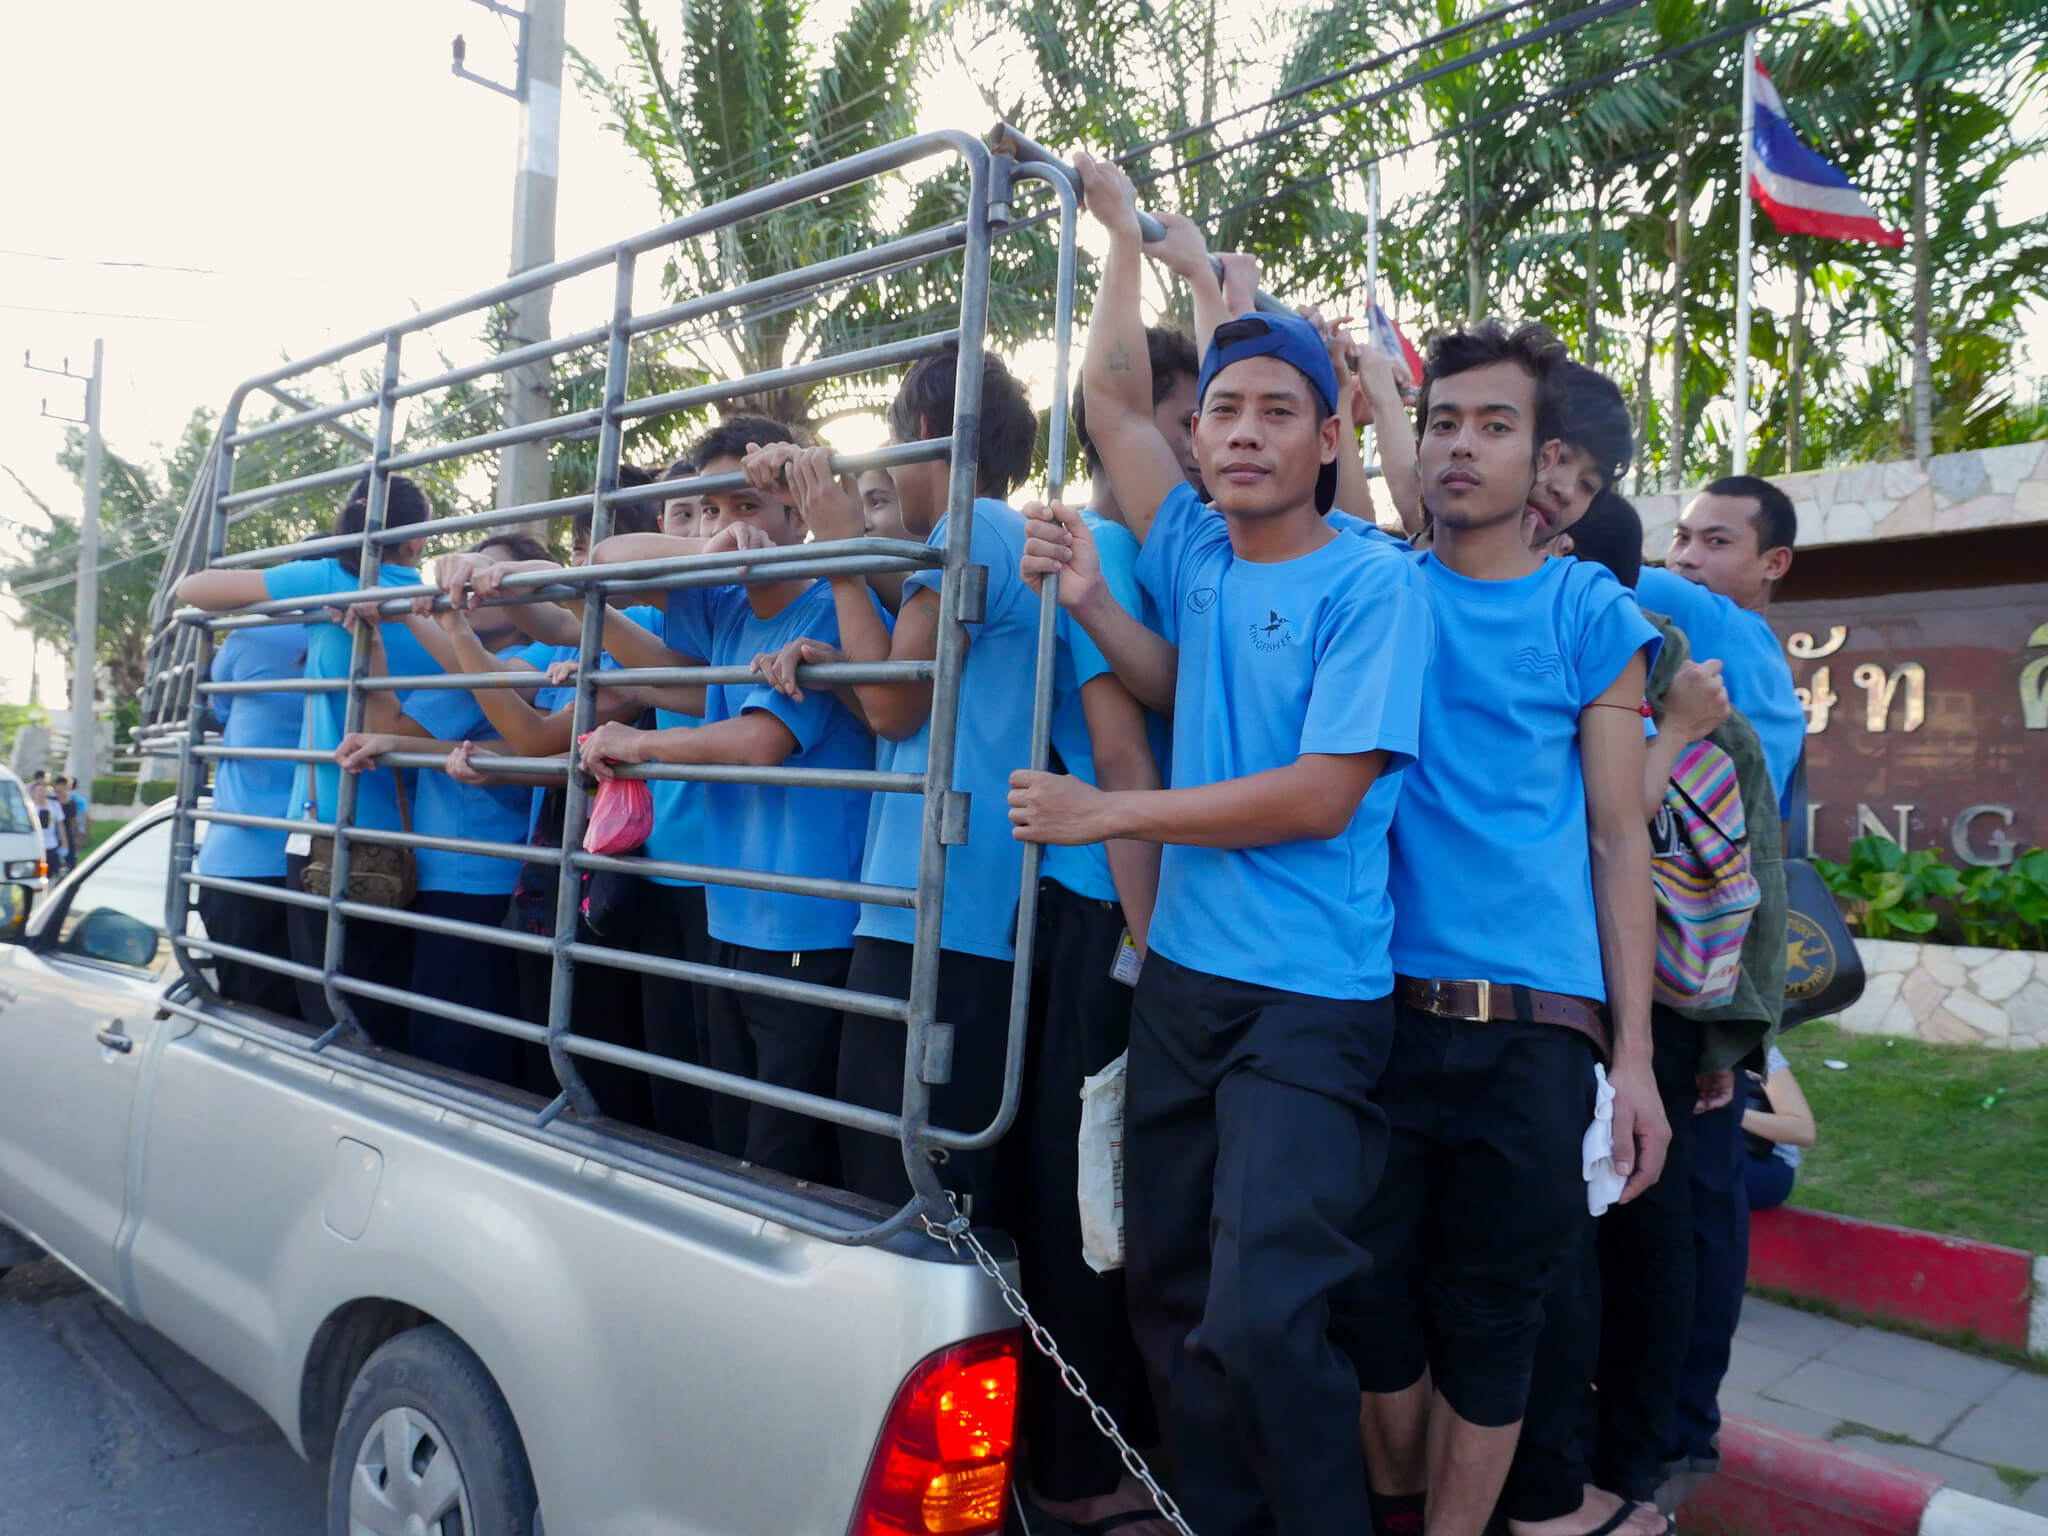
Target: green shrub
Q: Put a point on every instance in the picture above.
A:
(2006, 908)
(113, 791)
(1888, 889)
(155, 790)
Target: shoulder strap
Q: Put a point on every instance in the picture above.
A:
(1795, 811)
(404, 809)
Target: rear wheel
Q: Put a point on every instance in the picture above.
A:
(427, 1447)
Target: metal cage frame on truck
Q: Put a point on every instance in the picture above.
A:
(180, 653)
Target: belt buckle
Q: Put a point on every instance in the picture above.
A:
(1481, 987)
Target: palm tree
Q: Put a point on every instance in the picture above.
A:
(746, 99)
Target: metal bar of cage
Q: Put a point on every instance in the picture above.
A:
(927, 1039)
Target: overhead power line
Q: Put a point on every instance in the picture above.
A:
(1585, 16)
(1634, 66)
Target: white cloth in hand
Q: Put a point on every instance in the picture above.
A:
(1596, 1153)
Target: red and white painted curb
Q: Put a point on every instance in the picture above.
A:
(1774, 1482)
(1948, 1285)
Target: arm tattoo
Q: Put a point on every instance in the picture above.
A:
(1120, 358)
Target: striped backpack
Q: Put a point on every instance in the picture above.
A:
(1706, 895)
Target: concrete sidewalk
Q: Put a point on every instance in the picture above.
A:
(1979, 1424)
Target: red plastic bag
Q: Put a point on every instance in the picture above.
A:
(620, 817)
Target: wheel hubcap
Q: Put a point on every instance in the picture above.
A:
(406, 1482)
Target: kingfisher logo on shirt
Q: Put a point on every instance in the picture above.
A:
(1539, 663)
(1274, 633)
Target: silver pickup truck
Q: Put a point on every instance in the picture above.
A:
(492, 1313)
(455, 1311)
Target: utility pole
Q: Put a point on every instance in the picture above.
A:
(529, 394)
(85, 632)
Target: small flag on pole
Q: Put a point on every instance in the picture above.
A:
(1802, 193)
(1387, 337)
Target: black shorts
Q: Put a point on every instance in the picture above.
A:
(1483, 1193)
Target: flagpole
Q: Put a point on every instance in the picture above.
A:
(1742, 254)
(1369, 451)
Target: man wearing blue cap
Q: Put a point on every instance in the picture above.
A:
(1252, 1143)
(1523, 942)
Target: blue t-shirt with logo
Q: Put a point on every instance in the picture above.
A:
(678, 832)
(771, 827)
(1492, 872)
(254, 788)
(993, 740)
(1078, 662)
(443, 807)
(328, 649)
(1325, 653)
(1753, 664)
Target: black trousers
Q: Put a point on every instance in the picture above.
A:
(1618, 1313)
(1080, 1023)
(605, 1006)
(1720, 1232)
(379, 952)
(673, 1012)
(1252, 1146)
(1483, 1197)
(474, 973)
(974, 997)
(250, 922)
(789, 1044)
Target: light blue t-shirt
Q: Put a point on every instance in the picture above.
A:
(1371, 532)
(1492, 872)
(1753, 664)
(328, 648)
(994, 739)
(1325, 653)
(253, 788)
(678, 832)
(1774, 1063)
(1078, 662)
(818, 832)
(443, 807)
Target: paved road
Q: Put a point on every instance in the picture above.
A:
(106, 1430)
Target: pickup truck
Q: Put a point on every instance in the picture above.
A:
(491, 1313)
(482, 1327)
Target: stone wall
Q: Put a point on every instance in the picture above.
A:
(1985, 488)
(1953, 994)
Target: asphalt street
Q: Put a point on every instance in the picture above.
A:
(106, 1429)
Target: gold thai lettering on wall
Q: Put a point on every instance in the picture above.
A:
(1878, 690)
(1818, 699)
(2034, 685)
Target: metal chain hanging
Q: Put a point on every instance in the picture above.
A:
(955, 1235)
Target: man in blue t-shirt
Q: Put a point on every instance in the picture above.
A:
(1251, 1139)
(1731, 548)
(379, 952)
(983, 875)
(1729, 551)
(766, 828)
(1523, 942)
(253, 787)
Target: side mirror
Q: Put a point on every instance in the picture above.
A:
(14, 910)
(104, 934)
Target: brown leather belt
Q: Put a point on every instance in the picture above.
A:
(1501, 1002)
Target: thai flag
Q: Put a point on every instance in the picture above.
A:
(1386, 337)
(1803, 194)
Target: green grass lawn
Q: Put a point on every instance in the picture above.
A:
(98, 831)
(1945, 1138)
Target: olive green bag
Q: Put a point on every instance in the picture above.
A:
(379, 875)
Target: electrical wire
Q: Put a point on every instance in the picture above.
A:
(1447, 34)
(1528, 103)
(1585, 16)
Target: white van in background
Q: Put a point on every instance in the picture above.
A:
(22, 865)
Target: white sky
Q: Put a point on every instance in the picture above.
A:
(319, 165)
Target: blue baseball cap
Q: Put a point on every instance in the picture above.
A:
(1291, 339)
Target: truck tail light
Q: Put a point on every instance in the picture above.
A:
(942, 1465)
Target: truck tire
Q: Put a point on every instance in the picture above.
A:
(427, 1444)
